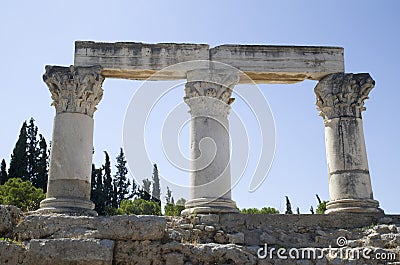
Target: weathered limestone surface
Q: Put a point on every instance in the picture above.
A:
(262, 63)
(115, 227)
(74, 89)
(9, 216)
(71, 146)
(75, 92)
(71, 251)
(135, 60)
(194, 240)
(208, 95)
(340, 100)
(58, 251)
(12, 253)
(281, 64)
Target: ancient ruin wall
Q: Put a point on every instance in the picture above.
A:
(201, 239)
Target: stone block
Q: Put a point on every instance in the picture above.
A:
(134, 60)
(220, 237)
(252, 237)
(9, 216)
(174, 259)
(5, 221)
(262, 63)
(385, 220)
(218, 254)
(237, 238)
(11, 253)
(209, 228)
(104, 227)
(281, 64)
(383, 229)
(138, 252)
(208, 218)
(70, 251)
(131, 227)
(200, 227)
(186, 226)
(267, 238)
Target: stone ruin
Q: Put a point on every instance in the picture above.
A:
(76, 91)
(66, 229)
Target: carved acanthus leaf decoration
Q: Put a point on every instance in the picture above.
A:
(75, 89)
(343, 95)
(208, 89)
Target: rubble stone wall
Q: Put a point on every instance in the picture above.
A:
(198, 239)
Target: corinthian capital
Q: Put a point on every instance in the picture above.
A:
(211, 83)
(343, 95)
(75, 89)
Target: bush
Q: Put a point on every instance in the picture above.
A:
(140, 207)
(250, 211)
(321, 208)
(113, 211)
(264, 210)
(173, 210)
(21, 194)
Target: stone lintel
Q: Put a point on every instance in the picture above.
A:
(281, 64)
(262, 63)
(138, 61)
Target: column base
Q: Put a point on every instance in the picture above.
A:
(353, 206)
(69, 206)
(209, 206)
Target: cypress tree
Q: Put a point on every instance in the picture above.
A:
(121, 181)
(108, 182)
(93, 184)
(288, 206)
(29, 160)
(144, 192)
(168, 197)
(18, 162)
(318, 198)
(156, 192)
(99, 192)
(115, 196)
(42, 161)
(3, 172)
(32, 152)
(97, 195)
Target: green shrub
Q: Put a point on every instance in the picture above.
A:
(140, 207)
(113, 211)
(264, 210)
(173, 210)
(321, 208)
(21, 194)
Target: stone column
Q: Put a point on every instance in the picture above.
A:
(75, 92)
(340, 100)
(208, 94)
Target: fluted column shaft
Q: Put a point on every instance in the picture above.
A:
(340, 100)
(208, 94)
(75, 92)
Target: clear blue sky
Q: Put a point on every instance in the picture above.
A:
(36, 33)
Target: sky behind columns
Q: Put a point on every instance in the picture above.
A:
(37, 33)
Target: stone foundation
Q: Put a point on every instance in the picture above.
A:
(200, 239)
